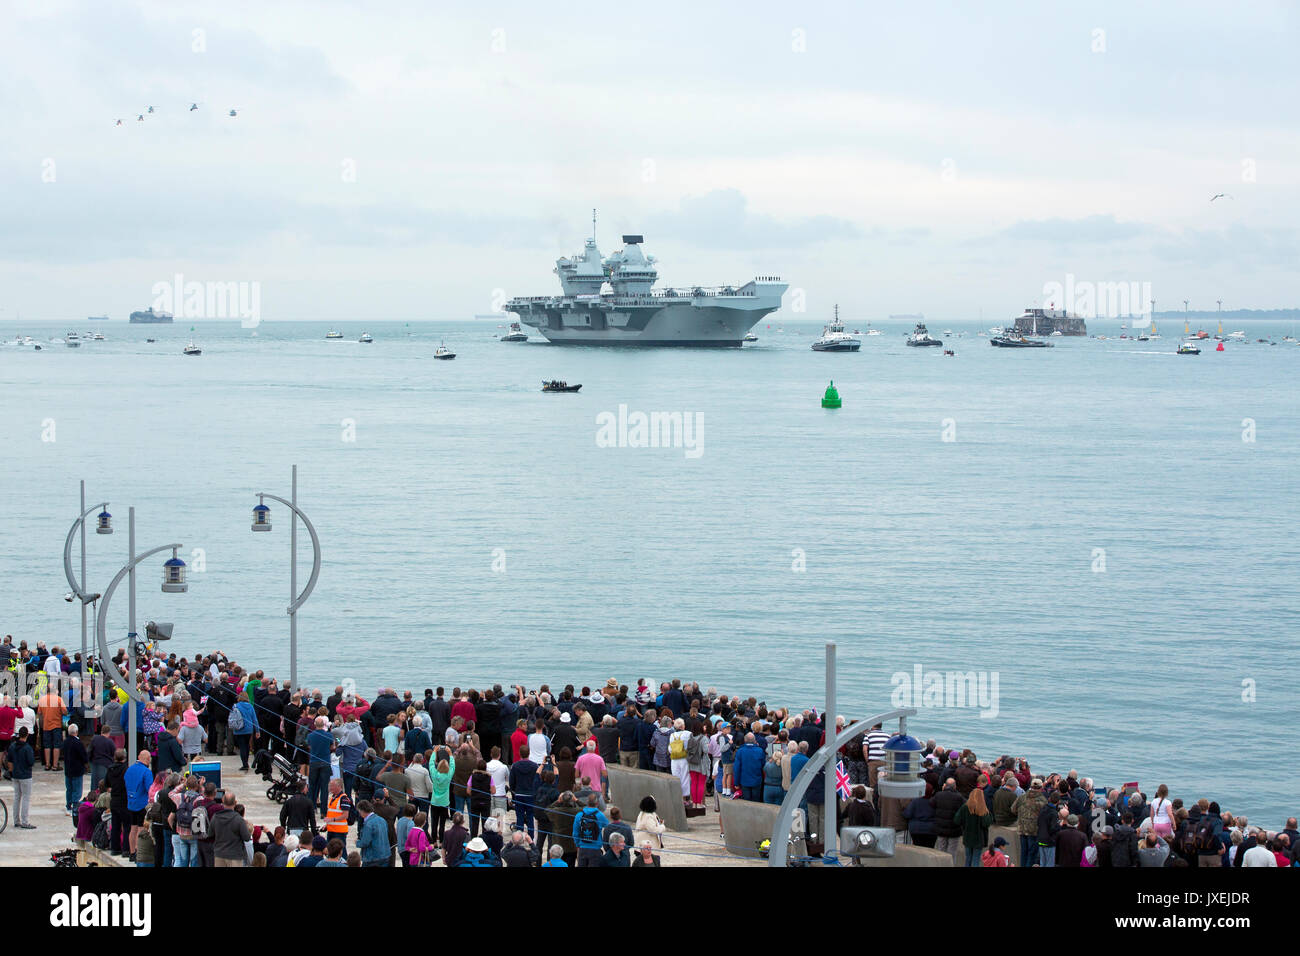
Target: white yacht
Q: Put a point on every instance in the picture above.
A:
(366, 337)
(516, 334)
(333, 334)
(835, 339)
(72, 340)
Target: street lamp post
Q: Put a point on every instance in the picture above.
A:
(173, 582)
(103, 525)
(262, 522)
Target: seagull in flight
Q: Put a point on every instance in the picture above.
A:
(1219, 196)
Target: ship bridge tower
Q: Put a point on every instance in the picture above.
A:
(632, 272)
(583, 274)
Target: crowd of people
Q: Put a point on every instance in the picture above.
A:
(516, 777)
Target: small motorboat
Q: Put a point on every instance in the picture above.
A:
(442, 352)
(151, 340)
(1009, 340)
(949, 352)
(557, 386)
(333, 334)
(191, 349)
(1189, 348)
(516, 334)
(366, 337)
(750, 337)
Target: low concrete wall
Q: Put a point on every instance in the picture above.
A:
(746, 823)
(1012, 836)
(907, 854)
(627, 787)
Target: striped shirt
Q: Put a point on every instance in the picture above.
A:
(874, 744)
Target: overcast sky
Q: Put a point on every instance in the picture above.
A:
(944, 158)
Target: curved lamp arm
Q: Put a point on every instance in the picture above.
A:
(822, 758)
(315, 550)
(67, 555)
(101, 624)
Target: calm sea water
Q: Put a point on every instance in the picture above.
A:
(976, 554)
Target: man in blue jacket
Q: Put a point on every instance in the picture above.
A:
(645, 731)
(588, 824)
(138, 779)
(627, 737)
(20, 758)
(748, 770)
(372, 839)
(320, 744)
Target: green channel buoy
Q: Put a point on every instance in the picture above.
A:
(832, 398)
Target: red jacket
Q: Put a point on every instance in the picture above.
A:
(463, 709)
(7, 717)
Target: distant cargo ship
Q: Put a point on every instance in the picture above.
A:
(96, 318)
(917, 317)
(149, 316)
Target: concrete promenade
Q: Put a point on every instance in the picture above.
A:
(699, 845)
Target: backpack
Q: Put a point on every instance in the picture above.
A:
(99, 839)
(1206, 841)
(695, 748)
(236, 720)
(185, 813)
(677, 749)
(588, 828)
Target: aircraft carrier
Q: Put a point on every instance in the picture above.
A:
(633, 312)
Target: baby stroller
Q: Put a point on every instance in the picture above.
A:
(286, 780)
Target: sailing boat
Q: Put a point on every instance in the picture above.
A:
(1153, 334)
(191, 349)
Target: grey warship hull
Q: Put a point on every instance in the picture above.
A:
(633, 313)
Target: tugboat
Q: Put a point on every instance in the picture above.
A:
(1008, 340)
(920, 337)
(1189, 348)
(554, 385)
(333, 334)
(516, 334)
(442, 352)
(366, 337)
(835, 339)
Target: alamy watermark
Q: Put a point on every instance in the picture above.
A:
(1106, 300)
(922, 688)
(683, 430)
(209, 300)
(72, 689)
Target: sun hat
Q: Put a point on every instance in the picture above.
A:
(477, 845)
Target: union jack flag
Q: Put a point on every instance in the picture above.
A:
(842, 780)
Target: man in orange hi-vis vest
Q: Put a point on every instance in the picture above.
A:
(339, 810)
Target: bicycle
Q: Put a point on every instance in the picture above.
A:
(4, 816)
